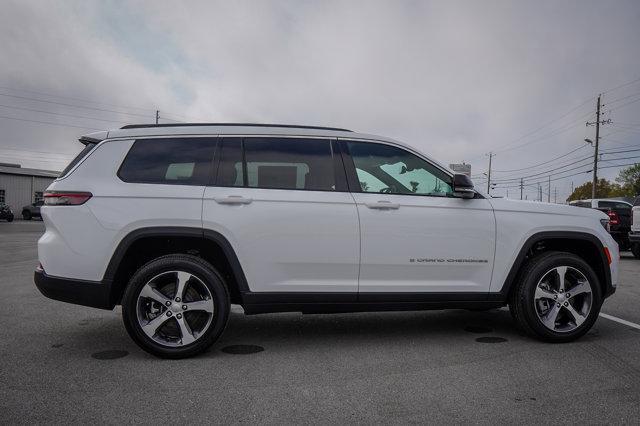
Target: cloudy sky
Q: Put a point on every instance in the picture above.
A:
(456, 79)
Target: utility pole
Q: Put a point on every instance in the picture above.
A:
(555, 195)
(549, 190)
(489, 174)
(157, 116)
(539, 192)
(521, 187)
(597, 123)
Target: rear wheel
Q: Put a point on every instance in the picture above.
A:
(635, 249)
(10, 218)
(26, 215)
(557, 298)
(175, 306)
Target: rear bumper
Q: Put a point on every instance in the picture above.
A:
(634, 237)
(79, 292)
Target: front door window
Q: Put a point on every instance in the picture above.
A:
(391, 170)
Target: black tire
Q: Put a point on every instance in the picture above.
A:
(26, 215)
(180, 262)
(10, 218)
(635, 249)
(522, 301)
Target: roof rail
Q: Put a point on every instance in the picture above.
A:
(290, 126)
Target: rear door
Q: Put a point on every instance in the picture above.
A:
(416, 237)
(283, 204)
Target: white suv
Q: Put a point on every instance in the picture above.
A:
(175, 222)
(634, 235)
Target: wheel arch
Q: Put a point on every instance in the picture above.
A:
(144, 244)
(587, 246)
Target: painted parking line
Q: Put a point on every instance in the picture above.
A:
(620, 320)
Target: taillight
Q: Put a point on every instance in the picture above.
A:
(613, 217)
(608, 254)
(66, 198)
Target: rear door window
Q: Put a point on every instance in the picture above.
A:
(278, 163)
(172, 161)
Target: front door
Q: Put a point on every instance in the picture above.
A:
(416, 236)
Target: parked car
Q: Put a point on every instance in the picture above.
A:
(619, 213)
(176, 222)
(32, 210)
(634, 234)
(6, 213)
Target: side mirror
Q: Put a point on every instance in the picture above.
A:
(462, 186)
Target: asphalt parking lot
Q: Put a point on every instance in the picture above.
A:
(61, 363)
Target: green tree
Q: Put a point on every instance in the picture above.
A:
(605, 189)
(629, 178)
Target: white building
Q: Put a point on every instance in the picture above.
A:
(21, 186)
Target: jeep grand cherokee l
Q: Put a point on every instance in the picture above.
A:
(176, 222)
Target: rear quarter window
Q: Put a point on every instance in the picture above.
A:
(88, 147)
(169, 161)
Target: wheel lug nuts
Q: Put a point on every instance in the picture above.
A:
(169, 313)
(555, 296)
(568, 295)
(168, 303)
(179, 316)
(558, 305)
(566, 303)
(184, 307)
(177, 299)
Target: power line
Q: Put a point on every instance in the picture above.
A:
(74, 99)
(59, 113)
(547, 123)
(49, 122)
(542, 163)
(622, 85)
(622, 98)
(608, 151)
(545, 172)
(73, 106)
(624, 105)
(96, 102)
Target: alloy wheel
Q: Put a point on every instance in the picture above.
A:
(563, 299)
(175, 308)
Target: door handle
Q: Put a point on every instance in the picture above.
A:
(383, 205)
(233, 199)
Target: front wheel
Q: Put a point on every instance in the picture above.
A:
(557, 298)
(26, 215)
(10, 218)
(175, 306)
(635, 249)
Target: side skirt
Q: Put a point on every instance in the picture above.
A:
(319, 303)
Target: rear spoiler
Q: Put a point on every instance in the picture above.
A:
(86, 140)
(95, 137)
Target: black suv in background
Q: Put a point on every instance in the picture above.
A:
(619, 213)
(5, 212)
(32, 210)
